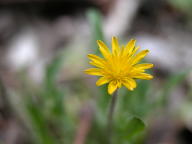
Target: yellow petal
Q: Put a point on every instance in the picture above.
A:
(144, 76)
(129, 83)
(129, 47)
(94, 71)
(102, 81)
(96, 61)
(115, 46)
(103, 49)
(128, 86)
(112, 87)
(122, 50)
(134, 50)
(143, 66)
(139, 56)
(95, 58)
(134, 71)
(96, 64)
(132, 82)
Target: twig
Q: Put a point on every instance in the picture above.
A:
(84, 125)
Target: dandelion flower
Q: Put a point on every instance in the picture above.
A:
(119, 67)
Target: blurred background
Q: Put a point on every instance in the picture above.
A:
(45, 98)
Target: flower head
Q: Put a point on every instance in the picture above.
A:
(119, 67)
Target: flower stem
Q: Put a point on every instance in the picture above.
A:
(110, 116)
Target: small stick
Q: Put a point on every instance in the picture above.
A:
(84, 125)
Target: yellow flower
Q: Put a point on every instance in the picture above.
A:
(119, 67)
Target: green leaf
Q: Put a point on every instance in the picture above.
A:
(52, 94)
(183, 5)
(133, 127)
(2, 89)
(95, 20)
(136, 102)
(52, 70)
(128, 129)
(39, 125)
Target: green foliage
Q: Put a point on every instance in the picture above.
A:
(95, 21)
(51, 122)
(133, 127)
(137, 102)
(49, 110)
(51, 90)
(183, 5)
(52, 71)
(39, 125)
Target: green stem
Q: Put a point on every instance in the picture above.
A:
(110, 116)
